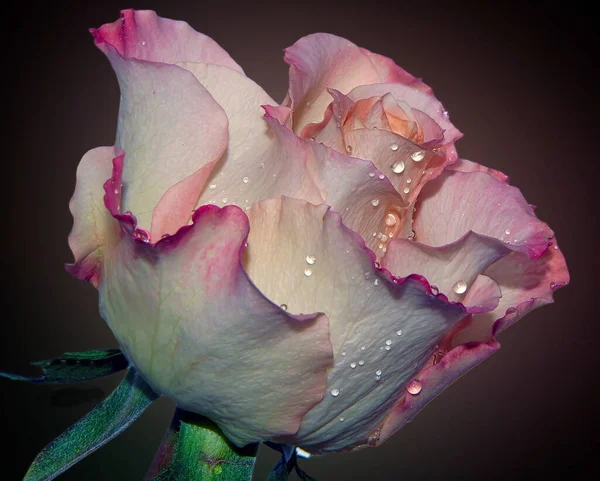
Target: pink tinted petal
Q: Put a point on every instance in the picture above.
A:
(452, 268)
(175, 208)
(170, 128)
(353, 187)
(432, 380)
(143, 35)
(190, 320)
(321, 61)
(433, 134)
(92, 224)
(525, 283)
(376, 117)
(258, 163)
(464, 165)
(280, 112)
(417, 99)
(457, 202)
(302, 256)
(395, 156)
(483, 295)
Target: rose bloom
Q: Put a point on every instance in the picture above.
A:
(311, 273)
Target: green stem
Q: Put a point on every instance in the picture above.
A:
(195, 449)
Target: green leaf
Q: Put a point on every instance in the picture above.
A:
(76, 367)
(103, 423)
(195, 449)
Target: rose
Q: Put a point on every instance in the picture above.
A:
(272, 315)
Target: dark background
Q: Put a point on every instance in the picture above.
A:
(519, 81)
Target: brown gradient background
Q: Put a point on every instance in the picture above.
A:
(519, 81)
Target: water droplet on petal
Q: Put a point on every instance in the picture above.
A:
(418, 156)
(381, 176)
(399, 332)
(511, 310)
(507, 231)
(394, 147)
(460, 287)
(371, 174)
(352, 365)
(335, 392)
(390, 220)
(414, 387)
(398, 167)
(376, 282)
(143, 43)
(262, 165)
(362, 348)
(224, 200)
(343, 353)
(349, 149)
(212, 186)
(378, 372)
(412, 234)
(284, 307)
(342, 419)
(311, 260)
(361, 363)
(245, 180)
(435, 289)
(406, 190)
(307, 272)
(373, 439)
(375, 202)
(387, 348)
(388, 342)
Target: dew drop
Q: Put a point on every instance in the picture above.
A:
(361, 363)
(381, 176)
(212, 186)
(362, 348)
(507, 231)
(390, 220)
(375, 202)
(435, 289)
(342, 419)
(460, 287)
(116, 191)
(406, 190)
(284, 307)
(511, 310)
(262, 165)
(371, 174)
(224, 200)
(376, 281)
(352, 365)
(343, 353)
(378, 372)
(373, 439)
(349, 149)
(394, 147)
(552, 285)
(335, 392)
(398, 167)
(388, 342)
(307, 272)
(399, 332)
(409, 180)
(418, 156)
(387, 348)
(143, 43)
(245, 180)
(311, 260)
(412, 234)
(414, 387)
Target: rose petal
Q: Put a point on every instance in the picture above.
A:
(353, 187)
(433, 380)
(418, 100)
(170, 127)
(92, 224)
(303, 256)
(464, 165)
(433, 134)
(394, 155)
(453, 268)
(143, 35)
(458, 202)
(258, 163)
(525, 283)
(189, 319)
(320, 61)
